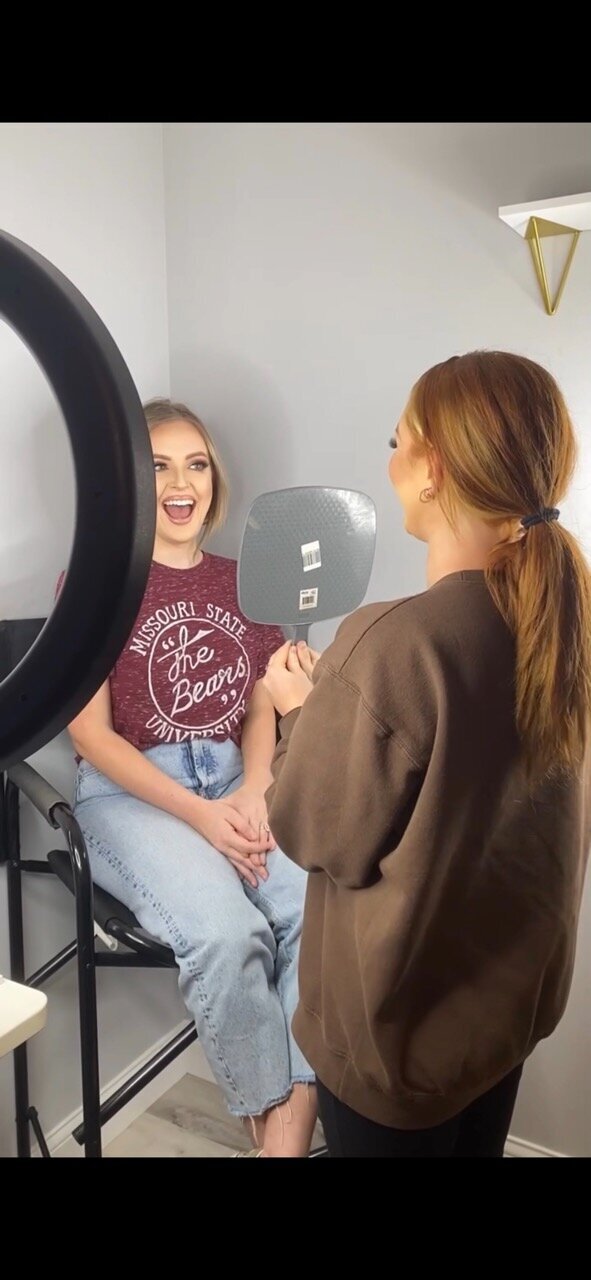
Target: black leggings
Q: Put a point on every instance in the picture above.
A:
(480, 1130)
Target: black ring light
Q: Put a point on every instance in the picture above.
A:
(115, 506)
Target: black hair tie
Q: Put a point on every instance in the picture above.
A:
(545, 516)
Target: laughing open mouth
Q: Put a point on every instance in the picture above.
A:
(179, 510)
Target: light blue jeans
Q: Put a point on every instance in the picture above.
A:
(236, 947)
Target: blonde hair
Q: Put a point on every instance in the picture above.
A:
(160, 410)
(501, 435)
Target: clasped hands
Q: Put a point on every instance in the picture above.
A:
(237, 825)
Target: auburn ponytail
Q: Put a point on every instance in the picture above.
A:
(500, 429)
(544, 593)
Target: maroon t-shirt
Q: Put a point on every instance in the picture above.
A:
(192, 660)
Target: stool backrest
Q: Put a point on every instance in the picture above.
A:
(16, 637)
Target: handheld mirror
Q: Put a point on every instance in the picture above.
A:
(306, 555)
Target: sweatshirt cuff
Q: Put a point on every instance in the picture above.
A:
(287, 723)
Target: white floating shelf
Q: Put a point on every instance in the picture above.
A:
(571, 212)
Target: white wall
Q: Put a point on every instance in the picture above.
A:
(90, 198)
(314, 270)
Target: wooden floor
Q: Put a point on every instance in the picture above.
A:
(190, 1120)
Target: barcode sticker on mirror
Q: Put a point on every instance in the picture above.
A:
(311, 556)
(309, 598)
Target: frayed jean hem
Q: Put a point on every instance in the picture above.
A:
(243, 1114)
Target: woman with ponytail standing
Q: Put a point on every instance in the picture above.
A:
(433, 773)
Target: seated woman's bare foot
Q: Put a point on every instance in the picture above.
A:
(255, 1128)
(289, 1126)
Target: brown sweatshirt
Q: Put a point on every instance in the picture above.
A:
(443, 900)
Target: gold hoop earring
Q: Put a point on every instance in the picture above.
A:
(426, 495)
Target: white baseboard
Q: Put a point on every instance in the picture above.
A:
(519, 1147)
(192, 1061)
